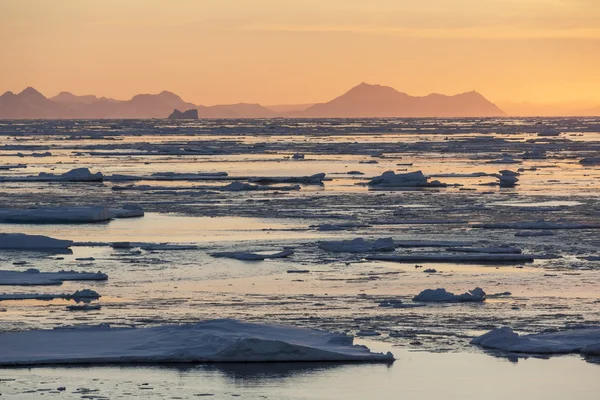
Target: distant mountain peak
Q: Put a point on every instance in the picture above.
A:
(31, 92)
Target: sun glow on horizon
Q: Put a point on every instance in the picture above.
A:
(275, 52)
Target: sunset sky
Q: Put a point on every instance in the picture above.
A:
(299, 51)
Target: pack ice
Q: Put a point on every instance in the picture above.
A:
(208, 341)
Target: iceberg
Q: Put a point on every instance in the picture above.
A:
(33, 277)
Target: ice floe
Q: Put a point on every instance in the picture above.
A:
(79, 295)
(22, 241)
(358, 245)
(208, 341)
(238, 255)
(537, 225)
(443, 296)
(74, 175)
(411, 179)
(585, 341)
(316, 179)
(33, 277)
(452, 258)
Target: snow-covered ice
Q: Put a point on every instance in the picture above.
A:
(21, 241)
(585, 341)
(33, 277)
(207, 341)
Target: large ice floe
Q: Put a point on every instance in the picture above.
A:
(453, 258)
(208, 341)
(443, 296)
(67, 215)
(585, 341)
(238, 255)
(33, 277)
(22, 241)
(74, 175)
(412, 179)
(358, 245)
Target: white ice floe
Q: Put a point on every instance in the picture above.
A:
(488, 250)
(452, 258)
(537, 225)
(411, 179)
(585, 341)
(74, 175)
(55, 215)
(238, 255)
(127, 211)
(208, 341)
(443, 296)
(67, 215)
(22, 241)
(548, 131)
(33, 277)
(358, 245)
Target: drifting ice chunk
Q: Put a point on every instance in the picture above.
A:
(533, 234)
(429, 243)
(508, 178)
(209, 341)
(21, 241)
(252, 256)
(358, 245)
(33, 277)
(128, 211)
(56, 215)
(442, 296)
(339, 227)
(585, 341)
(411, 179)
(453, 258)
(506, 159)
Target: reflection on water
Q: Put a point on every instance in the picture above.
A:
(415, 375)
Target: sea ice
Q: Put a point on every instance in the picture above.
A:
(443, 296)
(358, 245)
(21, 241)
(452, 258)
(33, 277)
(253, 256)
(208, 341)
(585, 341)
(411, 179)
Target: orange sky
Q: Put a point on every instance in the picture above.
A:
(299, 51)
